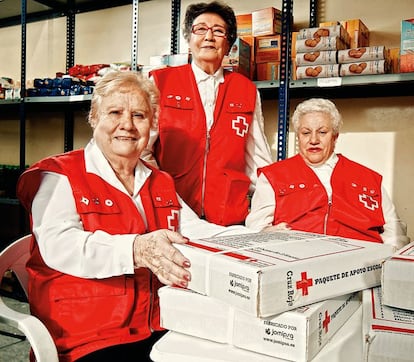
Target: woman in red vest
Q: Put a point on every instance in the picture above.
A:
(320, 191)
(103, 225)
(210, 137)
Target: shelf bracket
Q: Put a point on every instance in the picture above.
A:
(175, 26)
(285, 64)
(134, 35)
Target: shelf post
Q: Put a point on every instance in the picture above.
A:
(175, 26)
(285, 64)
(134, 35)
(313, 13)
(22, 108)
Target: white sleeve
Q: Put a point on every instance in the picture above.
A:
(65, 245)
(258, 152)
(395, 230)
(192, 227)
(263, 205)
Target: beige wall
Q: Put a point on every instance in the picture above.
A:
(377, 132)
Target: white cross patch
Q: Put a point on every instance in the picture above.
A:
(240, 126)
(368, 201)
(173, 220)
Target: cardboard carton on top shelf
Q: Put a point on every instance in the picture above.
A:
(319, 44)
(398, 279)
(297, 335)
(362, 54)
(316, 58)
(267, 49)
(267, 21)
(407, 46)
(388, 332)
(239, 57)
(244, 24)
(358, 32)
(364, 68)
(317, 71)
(336, 30)
(270, 273)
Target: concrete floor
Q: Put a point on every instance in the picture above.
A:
(13, 349)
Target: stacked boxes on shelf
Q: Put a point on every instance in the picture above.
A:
(363, 60)
(287, 286)
(315, 51)
(261, 31)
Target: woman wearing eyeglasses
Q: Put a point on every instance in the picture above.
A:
(210, 136)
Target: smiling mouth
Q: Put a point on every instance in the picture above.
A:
(123, 138)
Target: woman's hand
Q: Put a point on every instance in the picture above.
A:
(156, 252)
(278, 227)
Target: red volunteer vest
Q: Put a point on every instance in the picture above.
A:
(301, 200)
(84, 315)
(190, 154)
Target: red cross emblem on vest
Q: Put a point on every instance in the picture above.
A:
(240, 126)
(368, 201)
(173, 220)
(326, 321)
(304, 284)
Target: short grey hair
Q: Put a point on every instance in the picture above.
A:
(318, 105)
(113, 80)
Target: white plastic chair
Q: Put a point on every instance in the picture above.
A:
(14, 257)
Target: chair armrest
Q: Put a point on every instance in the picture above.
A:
(35, 331)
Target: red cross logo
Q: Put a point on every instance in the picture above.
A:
(173, 220)
(368, 201)
(326, 321)
(240, 126)
(304, 284)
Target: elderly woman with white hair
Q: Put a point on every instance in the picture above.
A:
(321, 191)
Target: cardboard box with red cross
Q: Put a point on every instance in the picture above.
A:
(296, 335)
(269, 273)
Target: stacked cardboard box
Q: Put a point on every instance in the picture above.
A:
(270, 273)
(363, 60)
(398, 279)
(297, 335)
(273, 294)
(388, 332)
(261, 30)
(315, 51)
(345, 345)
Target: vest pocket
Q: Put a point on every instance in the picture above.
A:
(227, 200)
(86, 308)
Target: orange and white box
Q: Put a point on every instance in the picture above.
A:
(388, 332)
(364, 68)
(362, 54)
(244, 24)
(297, 335)
(272, 272)
(317, 57)
(267, 21)
(317, 71)
(398, 279)
(318, 44)
(267, 49)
